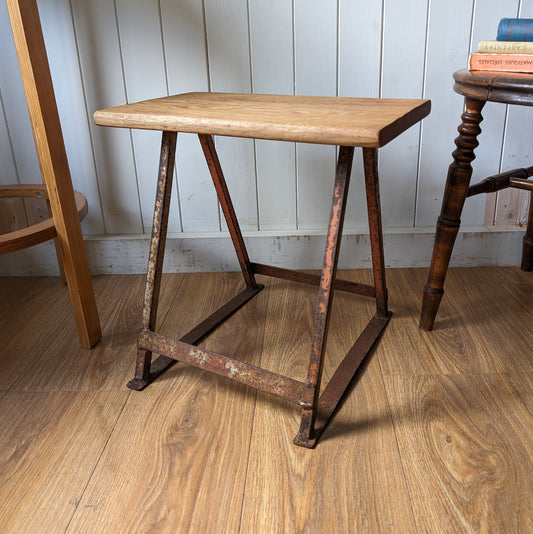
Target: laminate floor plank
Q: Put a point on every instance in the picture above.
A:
(448, 349)
(506, 323)
(49, 445)
(177, 460)
(19, 292)
(434, 436)
(496, 307)
(353, 480)
(467, 451)
(65, 366)
(29, 321)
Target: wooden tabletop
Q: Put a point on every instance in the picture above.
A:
(366, 122)
(495, 86)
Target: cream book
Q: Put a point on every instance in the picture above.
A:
(505, 47)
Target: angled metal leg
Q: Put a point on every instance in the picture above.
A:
(157, 252)
(315, 420)
(224, 198)
(306, 435)
(146, 370)
(370, 162)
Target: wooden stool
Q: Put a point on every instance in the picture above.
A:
(87, 322)
(39, 232)
(478, 87)
(347, 122)
(46, 126)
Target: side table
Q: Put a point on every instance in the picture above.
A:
(368, 123)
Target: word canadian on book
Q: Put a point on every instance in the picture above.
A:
(512, 51)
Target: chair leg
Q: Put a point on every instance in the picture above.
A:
(156, 256)
(224, 198)
(459, 175)
(527, 251)
(306, 434)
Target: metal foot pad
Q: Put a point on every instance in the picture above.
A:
(340, 381)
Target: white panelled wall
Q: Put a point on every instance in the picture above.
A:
(108, 52)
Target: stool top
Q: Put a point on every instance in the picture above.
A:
(365, 122)
(495, 86)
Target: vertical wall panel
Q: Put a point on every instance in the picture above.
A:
(511, 203)
(16, 111)
(359, 72)
(8, 170)
(185, 51)
(271, 36)
(229, 66)
(11, 211)
(447, 51)
(404, 51)
(106, 52)
(145, 78)
(360, 28)
(487, 15)
(101, 65)
(58, 31)
(315, 27)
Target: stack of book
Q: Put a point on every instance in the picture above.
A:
(512, 51)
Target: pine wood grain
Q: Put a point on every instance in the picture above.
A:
(41, 226)
(188, 434)
(12, 215)
(325, 120)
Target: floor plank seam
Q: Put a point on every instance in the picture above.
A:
(267, 289)
(398, 448)
(97, 462)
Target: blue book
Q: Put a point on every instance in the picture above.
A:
(515, 30)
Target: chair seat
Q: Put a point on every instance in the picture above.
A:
(362, 122)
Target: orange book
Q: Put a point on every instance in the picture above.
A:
(501, 62)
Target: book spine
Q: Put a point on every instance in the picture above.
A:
(515, 30)
(501, 62)
(505, 47)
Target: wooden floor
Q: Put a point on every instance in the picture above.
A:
(436, 435)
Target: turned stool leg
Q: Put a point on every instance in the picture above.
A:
(458, 180)
(527, 251)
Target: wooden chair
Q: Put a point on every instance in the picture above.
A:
(477, 87)
(345, 122)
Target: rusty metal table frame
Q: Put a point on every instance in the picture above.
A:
(317, 409)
